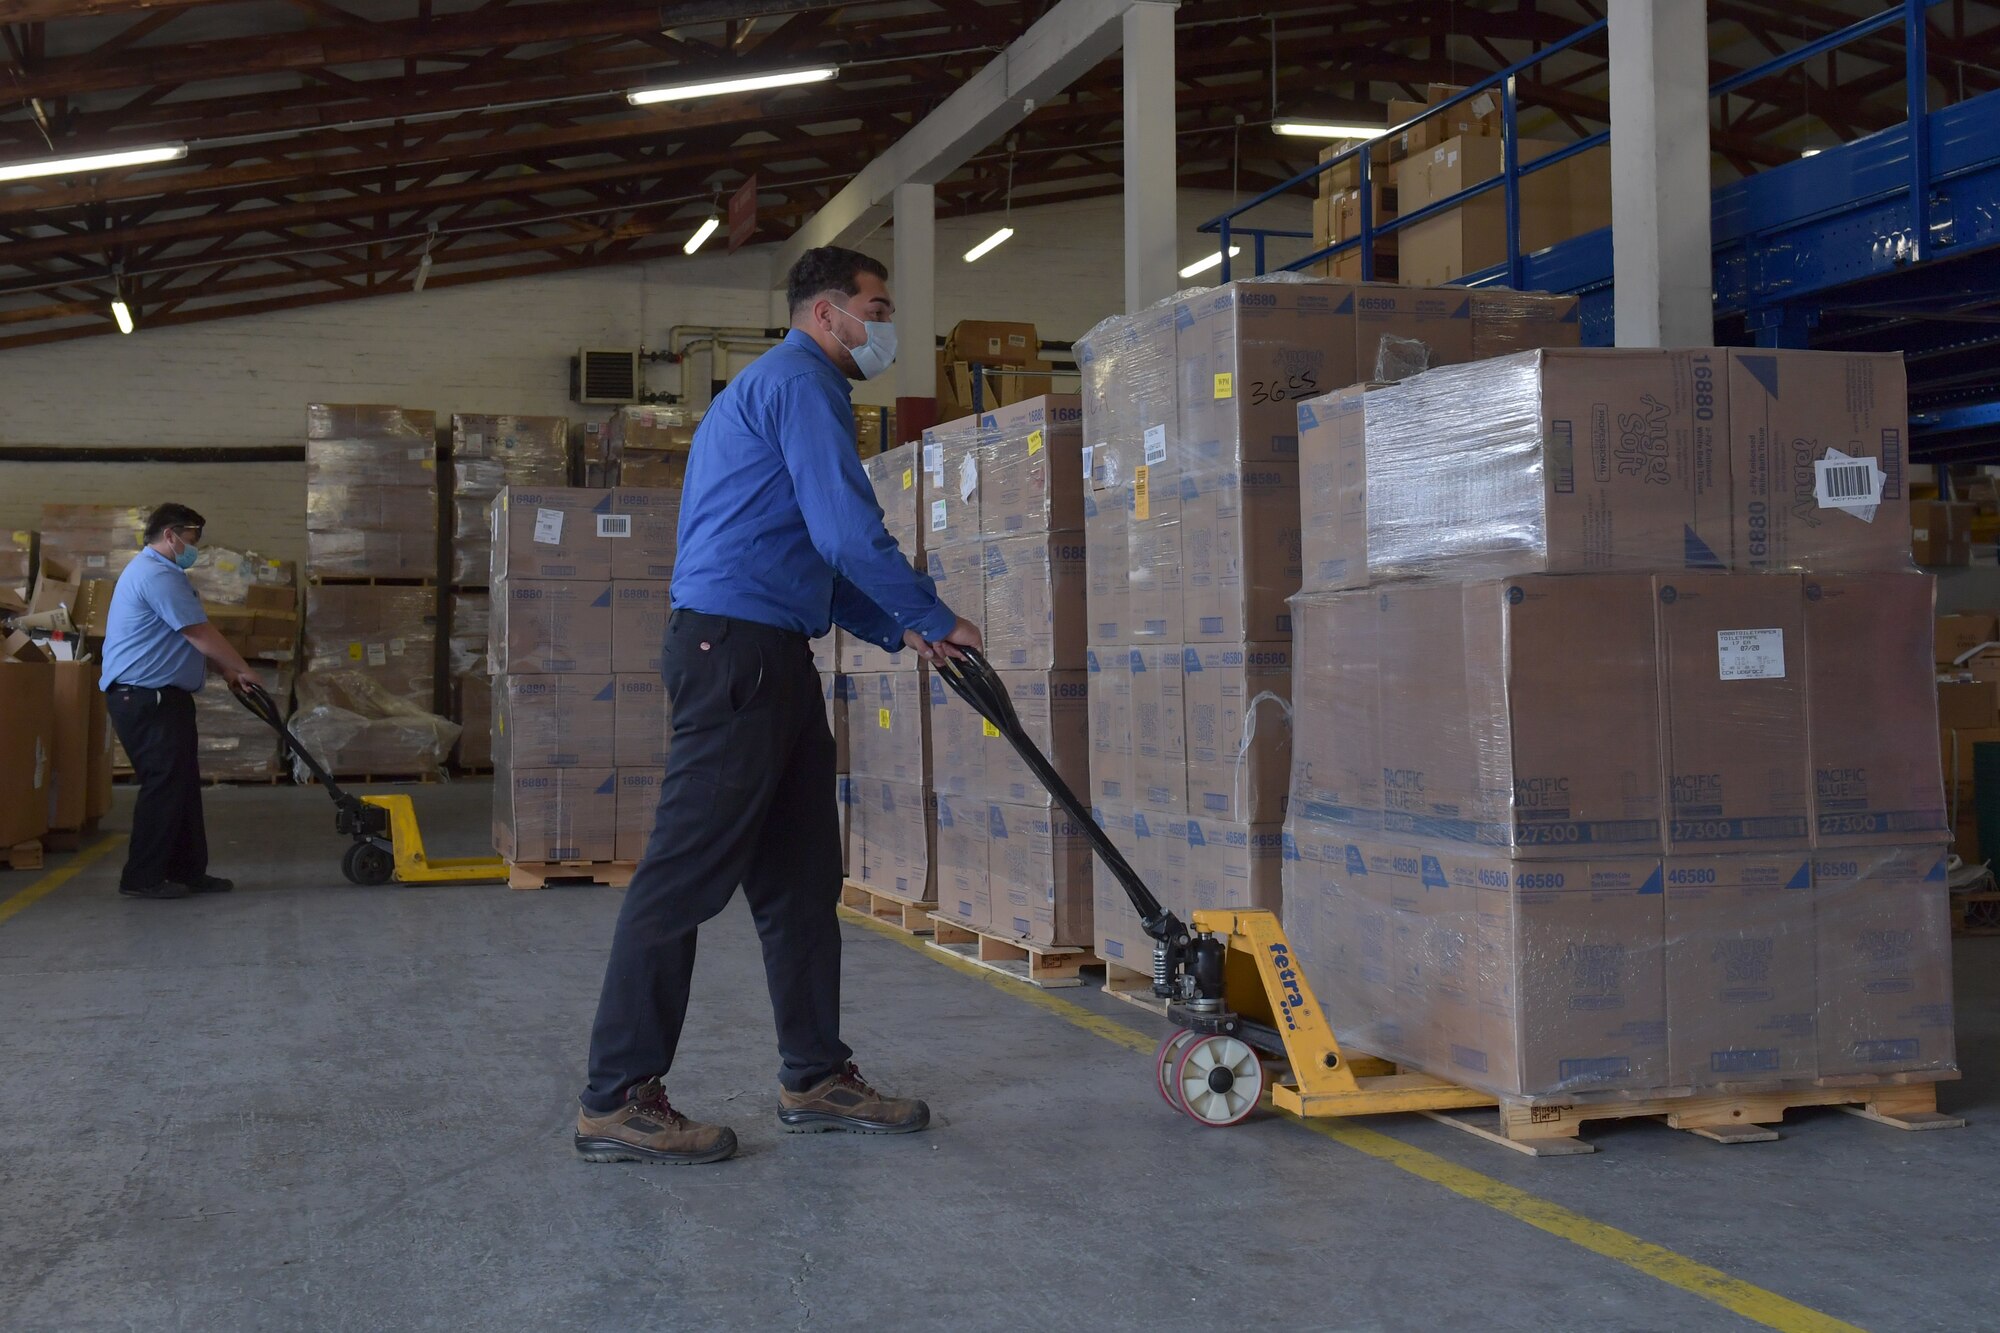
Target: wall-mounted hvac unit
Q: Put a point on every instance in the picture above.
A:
(604, 375)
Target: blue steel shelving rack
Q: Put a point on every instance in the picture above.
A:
(1889, 242)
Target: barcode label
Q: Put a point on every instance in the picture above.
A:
(1851, 484)
(937, 516)
(1156, 444)
(1142, 504)
(614, 525)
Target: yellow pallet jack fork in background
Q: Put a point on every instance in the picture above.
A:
(387, 845)
(1230, 981)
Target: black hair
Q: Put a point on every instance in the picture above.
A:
(171, 516)
(828, 268)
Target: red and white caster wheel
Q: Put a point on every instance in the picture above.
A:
(1167, 1060)
(1217, 1080)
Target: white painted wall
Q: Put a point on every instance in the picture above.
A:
(495, 347)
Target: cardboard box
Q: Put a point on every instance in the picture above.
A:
(639, 612)
(1054, 710)
(993, 342)
(827, 649)
(1247, 353)
(1472, 236)
(555, 532)
(1040, 875)
(1505, 322)
(1235, 865)
(1872, 710)
(1941, 533)
(1120, 940)
(1427, 743)
(1159, 735)
(959, 572)
(964, 842)
(1034, 595)
(1564, 727)
(1882, 925)
(555, 814)
(474, 712)
(1787, 409)
(1439, 318)
(1337, 714)
(271, 597)
(1236, 700)
(895, 834)
(1109, 682)
(371, 492)
(1959, 634)
(1957, 757)
(837, 690)
(1148, 446)
(952, 459)
(1032, 471)
(1107, 555)
(76, 701)
(1562, 461)
(547, 721)
(958, 750)
(644, 547)
(1967, 704)
(388, 632)
(888, 733)
(972, 388)
(638, 801)
(1241, 538)
(551, 625)
(1741, 1006)
(1333, 491)
(1733, 696)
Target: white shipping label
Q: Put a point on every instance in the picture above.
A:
(420, 454)
(937, 516)
(94, 562)
(548, 526)
(614, 525)
(934, 460)
(1853, 484)
(968, 479)
(397, 647)
(378, 654)
(1089, 452)
(41, 763)
(1751, 654)
(1156, 444)
(1482, 105)
(475, 439)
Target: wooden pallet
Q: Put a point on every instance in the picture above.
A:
(541, 874)
(1135, 988)
(1050, 966)
(1555, 1130)
(367, 581)
(68, 839)
(912, 918)
(22, 856)
(1975, 913)
(378, 779)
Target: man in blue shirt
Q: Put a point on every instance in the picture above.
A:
(156, 638)
(779, 535)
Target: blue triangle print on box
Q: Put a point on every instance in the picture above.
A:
(1763, 369)
(1655, 883)
(1434, 874)
(1696, 553)
(1356, 863)
(1802, 878)
(603, 598)
(608, 694)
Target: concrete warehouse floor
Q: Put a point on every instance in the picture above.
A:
(307, 1105)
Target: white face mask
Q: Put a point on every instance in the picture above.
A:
(879, 352)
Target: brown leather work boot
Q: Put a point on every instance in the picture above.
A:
(648, 1129)
(845, 1101)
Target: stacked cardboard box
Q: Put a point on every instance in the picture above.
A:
(842, 661)
(18, 552)
(92, 541)
(488, 453)
(581, 719)
(27, 747)
(1576, 810)
(1006, 512)
(995, 362)
(1941, 532)
(371, 492)
(647, 447)
(263, 625)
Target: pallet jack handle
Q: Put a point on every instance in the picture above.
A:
(258, 701)
(973, 679)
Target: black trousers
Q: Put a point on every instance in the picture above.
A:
(169, 837)
(748, 799)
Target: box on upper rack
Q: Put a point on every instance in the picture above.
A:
(1941, 532)
(1818, 450)
(1505, 321)
(487, 454)
(388, 632)
(371, 492)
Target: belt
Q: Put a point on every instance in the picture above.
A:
(157, 690)
(724, 626)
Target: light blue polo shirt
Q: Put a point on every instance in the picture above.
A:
(143, 644)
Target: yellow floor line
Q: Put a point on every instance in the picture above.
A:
(55, 879)
(1655, 1261)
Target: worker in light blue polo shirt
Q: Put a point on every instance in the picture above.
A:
(780, 535)
(157, 646)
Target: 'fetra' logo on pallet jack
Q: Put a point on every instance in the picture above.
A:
(1291, 998)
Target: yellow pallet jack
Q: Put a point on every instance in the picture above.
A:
(387, 845)
(1230, 981)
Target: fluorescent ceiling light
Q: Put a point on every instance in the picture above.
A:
(1809, 152)
(88, 162)
(123, 314)
(988, 245)
(1208, 262)
(749, 83)
(423, 272)
(701, 234)
(1307, 129)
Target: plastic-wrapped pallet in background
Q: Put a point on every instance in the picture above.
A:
(232, 745)
(901, 488)
(371, 492)
(354, 725)
(92, 541)
(389, 633)
(487, 454)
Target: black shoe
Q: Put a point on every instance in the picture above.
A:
(209, 884)
(164, 889)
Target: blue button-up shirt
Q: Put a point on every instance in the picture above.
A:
(143, 643)
(778, 521)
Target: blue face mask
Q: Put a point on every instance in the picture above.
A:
(879, 352)
(188, 555)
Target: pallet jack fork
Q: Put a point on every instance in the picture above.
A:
(1230, 982)
(387, 845)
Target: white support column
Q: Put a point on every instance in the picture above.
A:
(1151, 167)
(1659, 173)
(913, 280)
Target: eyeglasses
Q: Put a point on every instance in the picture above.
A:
(192, 534)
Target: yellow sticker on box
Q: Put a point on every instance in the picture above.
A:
(909, 478)
(1225, 385)
(1034, 442)
(882, 718)
(354, 652)
(1141, 504)
(988, 729)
